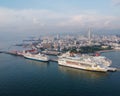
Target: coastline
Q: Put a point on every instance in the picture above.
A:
(104, 51)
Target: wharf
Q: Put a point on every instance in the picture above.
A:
(3, 51)
(15, 54)
(54, 60)
(54, 53)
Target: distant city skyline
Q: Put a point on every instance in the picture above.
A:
(58, 15)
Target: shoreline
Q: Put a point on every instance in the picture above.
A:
(105, 51)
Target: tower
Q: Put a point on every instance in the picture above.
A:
(89, 36)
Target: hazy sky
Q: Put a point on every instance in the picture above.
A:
(58, 15)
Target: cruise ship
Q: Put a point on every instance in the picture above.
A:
(86, 62)
(38, 57)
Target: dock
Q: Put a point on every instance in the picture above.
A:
(3, 52)
(54, 53)
(54, 60)
(15, 54)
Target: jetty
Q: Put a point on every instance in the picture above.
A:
(54, 60)
(16, 54)
(3, 52)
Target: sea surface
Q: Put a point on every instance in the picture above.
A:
(24, 77)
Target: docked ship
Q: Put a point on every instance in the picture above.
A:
(38, 57)
(86, 62)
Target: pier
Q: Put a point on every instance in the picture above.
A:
(3, 52)
(54, 60)
(15, 54)
(7, 52)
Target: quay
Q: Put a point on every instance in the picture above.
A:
(15, 54)
(54, 60)
(3, 52)
(7, 52)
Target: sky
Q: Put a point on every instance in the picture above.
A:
(58, 15)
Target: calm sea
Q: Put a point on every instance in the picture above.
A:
(23, 77)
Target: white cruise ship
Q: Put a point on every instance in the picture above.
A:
(86, 62)
(38, 57)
